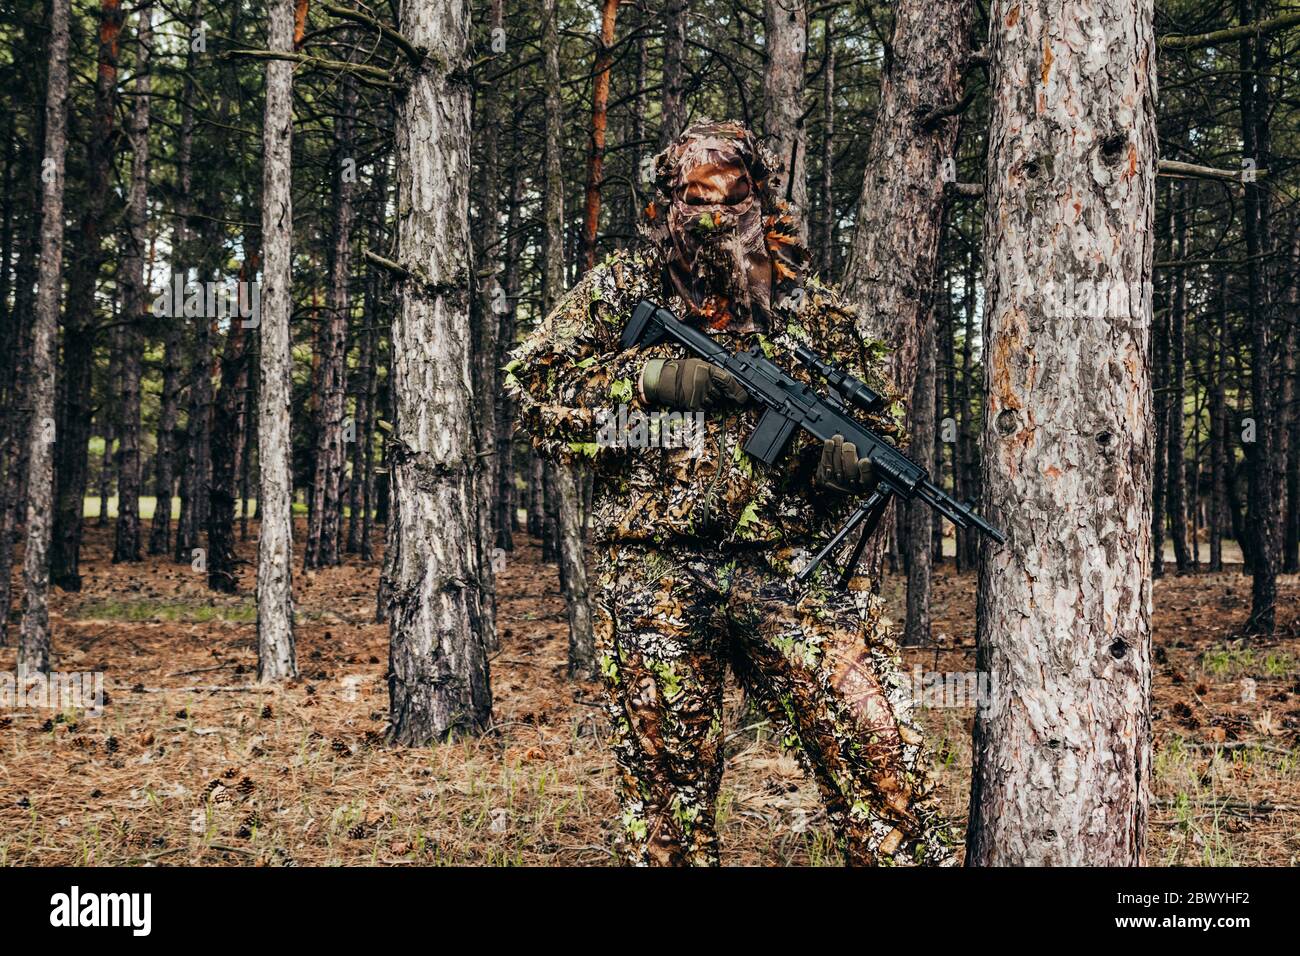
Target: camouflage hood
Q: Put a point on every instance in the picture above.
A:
(728, 245)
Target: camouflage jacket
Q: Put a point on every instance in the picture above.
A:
(682, 477)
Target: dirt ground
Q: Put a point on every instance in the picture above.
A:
(193, 763)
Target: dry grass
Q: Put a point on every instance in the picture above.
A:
(191, 763)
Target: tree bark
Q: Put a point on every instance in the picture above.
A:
(599, 121)
(890, 271)
(1265, 538)
(79, 323)
(1160, 336)
(135, 297)
(276, 657)
(1218, 431)
(567, 481)
(34, 636)
(1290, 395)
(327, 488)
(920, 531)
(672, 108)
(227, 460)
(1062, 751)
(786, 27)
(438, 669)
(1177, 392)
(827, 252)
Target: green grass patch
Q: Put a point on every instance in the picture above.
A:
(188, 612)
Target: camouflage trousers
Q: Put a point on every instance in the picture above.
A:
(817, 660)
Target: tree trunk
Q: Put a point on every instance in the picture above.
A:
(567, 480)
(786, 26)
(505, 408)
(1177, 392)
(599, 120)
(17, 418)
(327, 488)
(276, 657)
(1218, 431)
(438, 669)
(34, 635)
(536, 525)
(672, 108)
(1291, 519)
(227, 459)
(135, 298)
(891, 266)
(79, 324)
(1160, 400)
(828, 153)
(1062, 751)
(1265, 538)
(916, 630)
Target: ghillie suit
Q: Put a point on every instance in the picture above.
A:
(697, 548)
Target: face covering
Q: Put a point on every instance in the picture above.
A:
(726, 245)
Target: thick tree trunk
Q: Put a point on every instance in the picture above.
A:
(34, 635)
(438, 669)
(567, 479)
(1062, 751)
(327, 488)
(891, 266)
(672, 108)
(276, 657)
(135, 299)
(79, 324)
(786, 27)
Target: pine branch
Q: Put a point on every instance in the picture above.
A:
(1216, 37)
(370, 74)
(413, 53)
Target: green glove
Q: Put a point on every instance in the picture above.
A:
(842, 469)
(689, 384)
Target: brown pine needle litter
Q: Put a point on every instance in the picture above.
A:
(192, 763)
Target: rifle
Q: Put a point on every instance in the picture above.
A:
(789, 404)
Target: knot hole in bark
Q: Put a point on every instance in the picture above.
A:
(1006, 421)
(1112, 147)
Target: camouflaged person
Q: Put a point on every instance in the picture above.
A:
(697, 546)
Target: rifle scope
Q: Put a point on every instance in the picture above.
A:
(853, 389)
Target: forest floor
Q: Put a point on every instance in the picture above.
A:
(193, 763)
